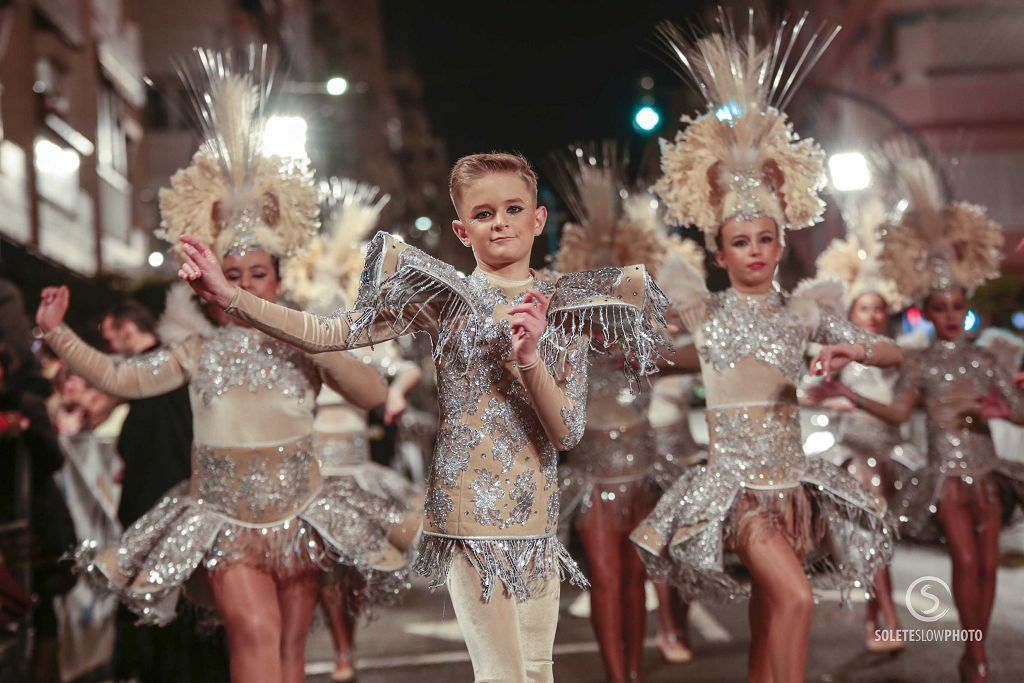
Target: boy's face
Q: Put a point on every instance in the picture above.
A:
(498, 218)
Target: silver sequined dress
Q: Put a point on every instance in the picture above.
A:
(256, 495)
(871, 449)
(948, 377)
(752, 356)
(492, 489)
(613, 464)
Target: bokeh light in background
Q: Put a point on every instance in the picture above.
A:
(156, 259)
(285, 136)
(646, 118)
(849, 171)
(337, 86)
(423, 223)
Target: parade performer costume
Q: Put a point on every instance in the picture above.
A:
(610, 480)
(869, 448)
(257, 515)
(322, 280)
(937, 252)
(511, 359)
(741, 175)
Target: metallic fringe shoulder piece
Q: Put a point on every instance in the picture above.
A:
(520, 565)
(742, 156)
(405, 284)
(624, 305)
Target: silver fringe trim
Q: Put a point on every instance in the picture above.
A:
(634, 331)
(521, 565)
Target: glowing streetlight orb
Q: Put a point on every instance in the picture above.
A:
(52, 159)
(849, 171)
(337, 86)
(285, 136)
(647, 118)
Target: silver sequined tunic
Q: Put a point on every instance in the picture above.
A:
(948, 377)
(256, 495)
(492, 489)
(752, 355)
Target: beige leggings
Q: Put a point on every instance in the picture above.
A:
(508, 641)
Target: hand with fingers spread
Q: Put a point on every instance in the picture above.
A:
(202, 271)
(835, 357)
(53, 306)
(529, 320)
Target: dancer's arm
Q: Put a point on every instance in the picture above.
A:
(896, 412)
(361, 384)
(1012, 408)
(395, 405)
(560, 402)
(142, 376)
(311, 333)
(843, 343)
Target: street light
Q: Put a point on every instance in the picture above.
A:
(285, 136)
(646, 118)
(849, 171)
(337, 86)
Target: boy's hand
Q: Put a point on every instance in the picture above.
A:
(202, 271)
(529, 320)
(53, 306)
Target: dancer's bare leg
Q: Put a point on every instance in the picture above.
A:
(340, 617)
(634, 603)
(296, 598)
(246, 600)
(786, 605)
(960, 526)
(601, 542)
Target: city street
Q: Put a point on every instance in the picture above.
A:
(420, 641)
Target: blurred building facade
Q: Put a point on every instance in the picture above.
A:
(93, 120)
(948, 74)
(376, 131)
(71, 99)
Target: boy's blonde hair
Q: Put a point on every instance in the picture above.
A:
(475, 166)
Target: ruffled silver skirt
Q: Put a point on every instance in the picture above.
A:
(276, 514)
(843, 533)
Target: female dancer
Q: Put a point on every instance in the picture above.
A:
(936, 254)
(507, 396)
(256, 515)
(741, 175)
(871, 448)
(608, 482)
(324, 279)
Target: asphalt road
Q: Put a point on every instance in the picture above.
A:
(420, 641)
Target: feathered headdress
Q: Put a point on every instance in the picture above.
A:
(326, 277)
(854, 260)
(615, 227)
(933, 243)
(742, 158)
(233, 196)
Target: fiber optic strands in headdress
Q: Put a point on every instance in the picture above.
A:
(741, 157)
(934, 243)
(853, 260)
(232, 195)
(616, 227)
(326, 277)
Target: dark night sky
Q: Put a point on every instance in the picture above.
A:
(533, 76)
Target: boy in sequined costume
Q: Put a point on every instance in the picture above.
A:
(511, 356)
